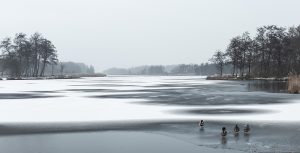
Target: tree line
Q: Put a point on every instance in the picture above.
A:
(273, 52)
(180, 69)
(24, 56)
(69, 68)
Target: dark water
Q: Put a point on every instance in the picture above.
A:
(98, 142)
(268, 86)
(160, 137)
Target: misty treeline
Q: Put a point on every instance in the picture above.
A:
(34, 56)
(181, 69)
(69, 68)
(272, 52)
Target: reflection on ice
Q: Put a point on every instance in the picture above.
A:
(24, 96)
(219, 111)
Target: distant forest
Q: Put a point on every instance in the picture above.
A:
(272, 52)
(181, 69)
(69, 68)
(35, 56)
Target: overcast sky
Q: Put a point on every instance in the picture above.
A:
(125, 33)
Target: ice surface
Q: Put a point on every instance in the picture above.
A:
(140, 98)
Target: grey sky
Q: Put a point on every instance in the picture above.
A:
(125, 33)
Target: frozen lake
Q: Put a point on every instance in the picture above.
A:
(147, 104)
(128, 98)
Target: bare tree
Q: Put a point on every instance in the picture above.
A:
(219, 59)
(48, 53)
(62, 67)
